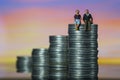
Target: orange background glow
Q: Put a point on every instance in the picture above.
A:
(27, 24)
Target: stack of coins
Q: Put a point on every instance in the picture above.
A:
(23, 64)
(58, 57)
(83, 53)
(40, 64)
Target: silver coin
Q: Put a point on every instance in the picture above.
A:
(23, 64)
(82, 27)
(58, 39)
(41, 51)
(38, 77)
(40, 64)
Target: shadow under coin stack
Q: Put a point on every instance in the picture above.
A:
(83, 53)
(58, 57)
(23, 64)
(40, 64)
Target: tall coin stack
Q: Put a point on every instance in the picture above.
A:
(83, 53)
(58, 57)
(40, 64)
(23, 64)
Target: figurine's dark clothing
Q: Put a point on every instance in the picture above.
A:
(87, 17)
(88, 22)
(77, 16)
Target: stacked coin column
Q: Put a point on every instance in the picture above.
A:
(58, 57)
(83, 53)
(40, 64)
(23, 64)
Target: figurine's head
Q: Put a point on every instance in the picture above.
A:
(77, 11)
(87, 11)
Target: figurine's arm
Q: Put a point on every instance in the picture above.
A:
(84, 17)
(91, 18)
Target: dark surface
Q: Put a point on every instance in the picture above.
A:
(30, 79)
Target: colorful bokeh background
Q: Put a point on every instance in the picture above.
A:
(27, 24)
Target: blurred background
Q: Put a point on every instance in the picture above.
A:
(27, 24)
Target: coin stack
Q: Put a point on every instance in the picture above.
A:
(23, 64)
(58, 57)
(83, 53)
(40, 64)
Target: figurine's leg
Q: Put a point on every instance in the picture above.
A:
(89, 25)
(86, 25)
(75, 25)
(78, 26)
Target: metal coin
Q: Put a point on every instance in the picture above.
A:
(23, 64)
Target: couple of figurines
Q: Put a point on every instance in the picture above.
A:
(87, 18)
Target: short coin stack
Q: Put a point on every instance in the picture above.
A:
(40, 64)
(58, 57)
(23, 64)
(83, 53)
